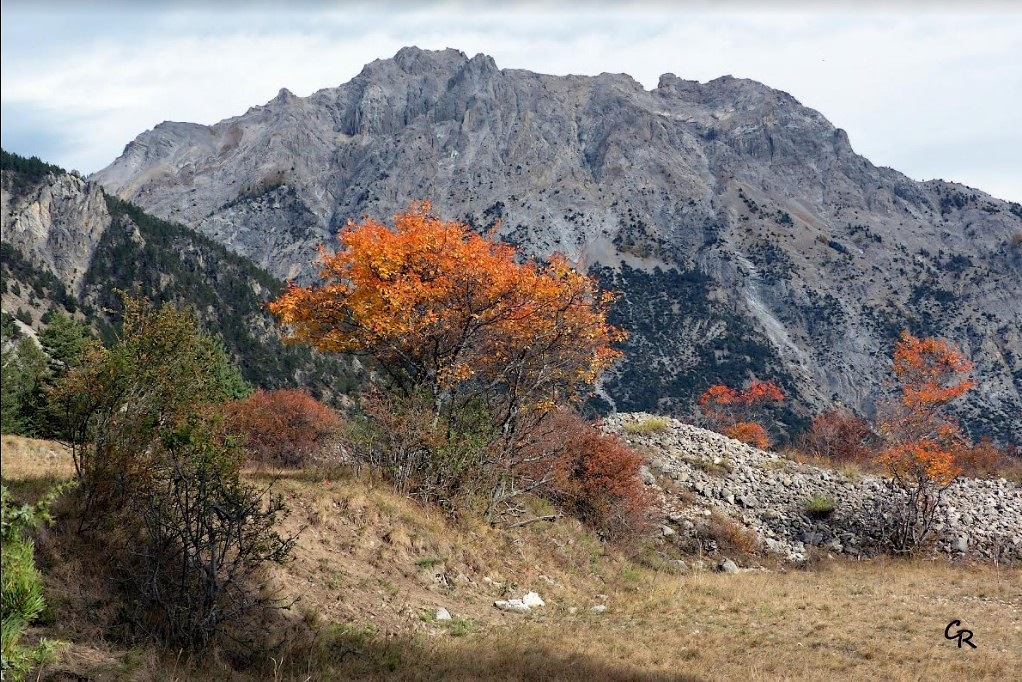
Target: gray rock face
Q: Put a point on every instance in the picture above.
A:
(58, 226)
(727, 566)
(745, 234)
(979, 518)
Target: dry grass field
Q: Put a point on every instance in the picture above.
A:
(372, 567)
(27, 458)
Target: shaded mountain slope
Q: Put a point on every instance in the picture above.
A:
(68, 245)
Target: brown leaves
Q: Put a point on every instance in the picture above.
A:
(286, 427)
(840, 436)
(594, 475)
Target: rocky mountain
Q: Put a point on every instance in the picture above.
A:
(69, 246)
(746, 236)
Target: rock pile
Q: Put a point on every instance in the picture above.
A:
(530, 601)
(792, 507)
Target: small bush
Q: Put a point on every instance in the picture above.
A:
(204, 538)
(717, 466)
(457, 626)
(439, 461)
(644, 426)
(726, 536)
(160, 479)
(986, 460)
(852, 472)
(839, 436)
(595, 476)
(749, 433)
(286, 428)
(819, 507)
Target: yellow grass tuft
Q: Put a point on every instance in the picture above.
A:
(645, 425)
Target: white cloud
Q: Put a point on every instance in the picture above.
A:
(905, 86)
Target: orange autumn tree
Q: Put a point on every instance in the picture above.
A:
(457, 320)
(922, 443)
(732, 410)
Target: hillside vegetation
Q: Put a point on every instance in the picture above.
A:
(461, 519)
(136, 253)
(372, 568)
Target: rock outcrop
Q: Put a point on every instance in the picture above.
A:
(745, 234)
(56, 224)
(771, 496)
(67, 246)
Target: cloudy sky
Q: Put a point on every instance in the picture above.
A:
(933, 89)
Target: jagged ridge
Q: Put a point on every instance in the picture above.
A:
(809, 251)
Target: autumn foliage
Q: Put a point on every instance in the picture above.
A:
(922, 440)
(984, 459)
(931, 372)
(471, 345)
(922, 445)
(284, 428)
(595, 476)
(732, 410)
(439, 306)
(840, 436)
(749, 432)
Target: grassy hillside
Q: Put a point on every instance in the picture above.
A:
(371, 569)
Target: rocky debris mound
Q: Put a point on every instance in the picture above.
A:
(792, 507)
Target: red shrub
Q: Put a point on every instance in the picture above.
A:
(283, 428)
(986, 460)
(593, 476)
(840, 436)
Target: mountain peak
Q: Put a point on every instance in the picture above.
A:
(284, 95)
(414, 60)
(726, 205)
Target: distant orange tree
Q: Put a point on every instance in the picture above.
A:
(453, 319)
(733, 410)
(922, 444)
